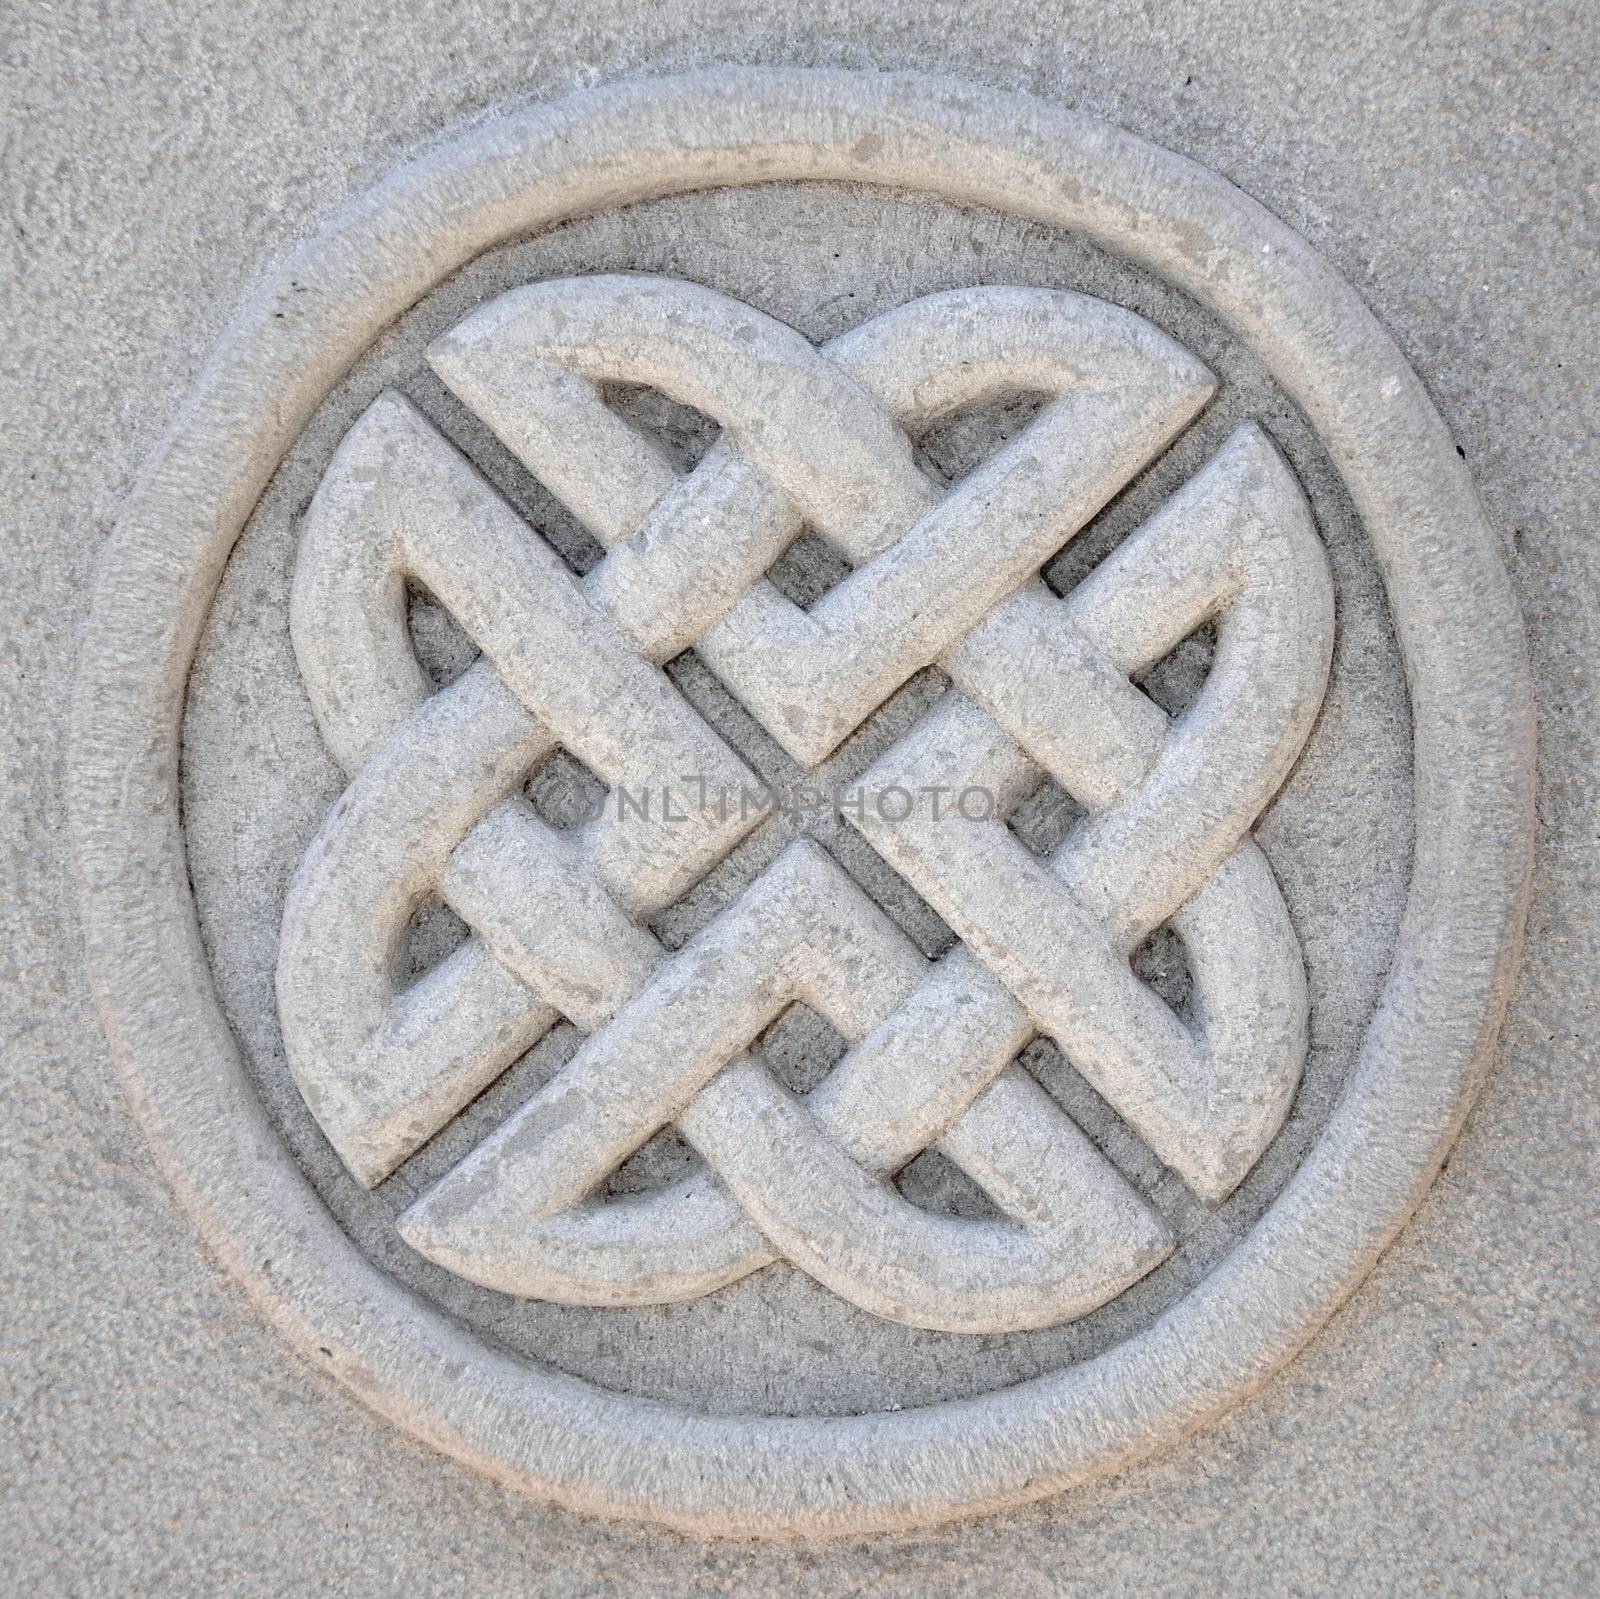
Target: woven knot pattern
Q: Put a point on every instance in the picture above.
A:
(1040, 687)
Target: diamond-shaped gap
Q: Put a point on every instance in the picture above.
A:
(964, 439)
(808, 569)
(434, 932)
(443, 647)
(1044, 816)
(800, 1048)
(1176, 679)
(683, 432)
(1163, 963)
(931, 1182)
(563, 792)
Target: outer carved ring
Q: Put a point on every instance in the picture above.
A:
(1421, 1062)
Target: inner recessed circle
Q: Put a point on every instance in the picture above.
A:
(823, 258)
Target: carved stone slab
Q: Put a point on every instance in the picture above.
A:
(810, 598)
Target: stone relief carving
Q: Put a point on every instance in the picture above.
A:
(816, 442)
(821, 440)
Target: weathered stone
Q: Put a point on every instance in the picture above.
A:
(1152, 1135)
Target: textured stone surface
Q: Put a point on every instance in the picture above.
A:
(814, 439)
(825, 439)
(257, 786)
(148, 1391)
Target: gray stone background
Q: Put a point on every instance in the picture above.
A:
(158, 1437)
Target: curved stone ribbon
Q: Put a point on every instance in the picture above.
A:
(819, 438)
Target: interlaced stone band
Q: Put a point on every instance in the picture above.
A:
(820, 439)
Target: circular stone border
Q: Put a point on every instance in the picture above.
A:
(1422, 1060)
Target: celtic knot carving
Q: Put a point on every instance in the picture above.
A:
(1040, 686)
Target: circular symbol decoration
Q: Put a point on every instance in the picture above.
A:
(817, 441)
